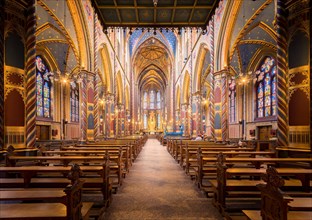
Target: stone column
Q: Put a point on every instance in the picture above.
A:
(1, 75)
(310, 12)
(211, 80)
(83, 100)
(224, 116)
(96, 105)
(31, 74)
(110, 114)
(185, 118)
(196, 108)
(282, 89)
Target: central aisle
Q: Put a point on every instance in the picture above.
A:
(158, 188)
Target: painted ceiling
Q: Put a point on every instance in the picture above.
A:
(154, 13)
(252, 31)
(56, 34)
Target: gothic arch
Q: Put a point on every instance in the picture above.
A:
(127, 98)
(186, 88)
(107, 69)
(178, 98)
(120, 90)
(202, 62)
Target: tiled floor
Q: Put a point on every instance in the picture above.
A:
(158, 188)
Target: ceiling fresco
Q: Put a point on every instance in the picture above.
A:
(155, 13)
(253, 30)
(138, 37)
(56, 33)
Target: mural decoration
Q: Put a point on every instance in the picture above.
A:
(232, 100)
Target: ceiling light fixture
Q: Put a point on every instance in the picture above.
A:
(155, 3)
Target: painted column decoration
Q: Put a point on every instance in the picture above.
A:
(310, 12)
(109, 109)
(120, 115)
(211, 80)
(31, 75)
(90, 108)
(84, 100)
(196, 101)
(96, 105)
(178, 120)
(217, 107)
(224, 100)
(1, 75)
(97, 81)
(185, 117)
(282, 90)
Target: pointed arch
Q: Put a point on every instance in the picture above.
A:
(202, 62)
(178, 98)
(186, 88)
(127, 98)
(119, 91)
(107, 68)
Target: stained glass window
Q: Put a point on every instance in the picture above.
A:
(43, 86)
(158, 100)
(152, 99)
(145, 100)
(74, 102)
(232, 100)
(158, 121)
(145, 121)
(266, 88)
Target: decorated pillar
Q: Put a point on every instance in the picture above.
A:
(211, 80)
(217, 107)
(310, 19)
(127, 122)
(97, 82)
(178, 120)
(96, 105)
(31, 74)
(110, 114)
(120, 120)
(224, 124)
(90, 107)
(83, 101)
(1, 75)
(185, 118)
(282, 89)
(196, 108)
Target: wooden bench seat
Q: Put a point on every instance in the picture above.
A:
(69, 207)
(293, 215)
(275, 203)
(40, 211)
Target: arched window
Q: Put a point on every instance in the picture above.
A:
(152, 99)
(158, 100)
(145, 100)
(232, 100)
(145, 121)
(44, 86)
(266, 88)
(74, 102)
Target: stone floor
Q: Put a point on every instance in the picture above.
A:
(158, 188)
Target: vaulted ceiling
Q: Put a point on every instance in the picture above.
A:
(155, 13)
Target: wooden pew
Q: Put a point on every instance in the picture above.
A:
(30, 177)
(190, 158)
(201, 170)
(70, 207)
(274, 203)
(122, 164)
(226, 187)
